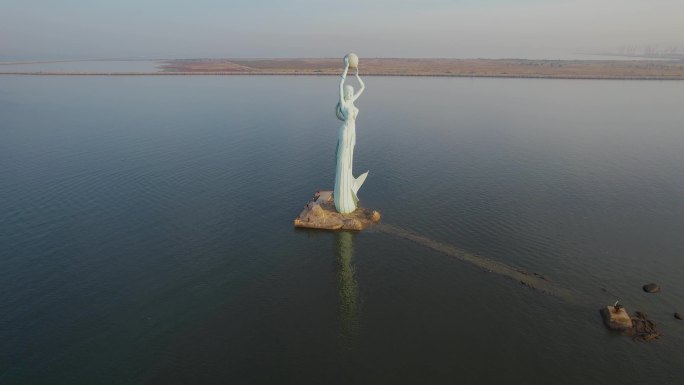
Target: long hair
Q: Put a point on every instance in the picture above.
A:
(338, 109)
(338, 112)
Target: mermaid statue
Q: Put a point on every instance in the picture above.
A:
(346, 186)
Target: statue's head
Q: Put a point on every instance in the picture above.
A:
(348, 92)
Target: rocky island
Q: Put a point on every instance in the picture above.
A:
(320, 213)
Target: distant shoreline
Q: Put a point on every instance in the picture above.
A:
(337, 74)
(472, 68)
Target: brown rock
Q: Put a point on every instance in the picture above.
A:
(616, 318)
(317, 211)
(643, 329)
(352, 224)
(651, 288)
(375, 217)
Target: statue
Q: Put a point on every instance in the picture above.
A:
(346, 186)
(338, 209)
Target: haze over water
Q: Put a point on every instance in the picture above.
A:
(146, 232)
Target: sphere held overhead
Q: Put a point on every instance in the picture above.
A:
(353, 60)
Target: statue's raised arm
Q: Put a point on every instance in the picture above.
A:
(363, 86)
(344, 77)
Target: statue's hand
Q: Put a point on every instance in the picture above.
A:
(346, 62)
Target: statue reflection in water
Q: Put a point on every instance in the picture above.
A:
(349, 289)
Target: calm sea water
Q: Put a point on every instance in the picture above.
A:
(146, 231)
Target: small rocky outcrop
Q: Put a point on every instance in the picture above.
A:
(651, 288)
(678, 316)
(643, 329)
(616, 318)
(639, 327)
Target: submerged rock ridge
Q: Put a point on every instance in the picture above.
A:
(528, 279)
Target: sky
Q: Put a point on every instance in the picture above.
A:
(552, 29)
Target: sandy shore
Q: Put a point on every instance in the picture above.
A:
(511, 68)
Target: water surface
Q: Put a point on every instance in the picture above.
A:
(146, 232)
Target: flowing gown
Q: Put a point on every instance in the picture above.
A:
(346, 186)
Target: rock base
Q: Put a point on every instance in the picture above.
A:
(320, 213)
(616, 318)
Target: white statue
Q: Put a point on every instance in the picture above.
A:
(346, 186)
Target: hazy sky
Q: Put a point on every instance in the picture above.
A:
(34, 29)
